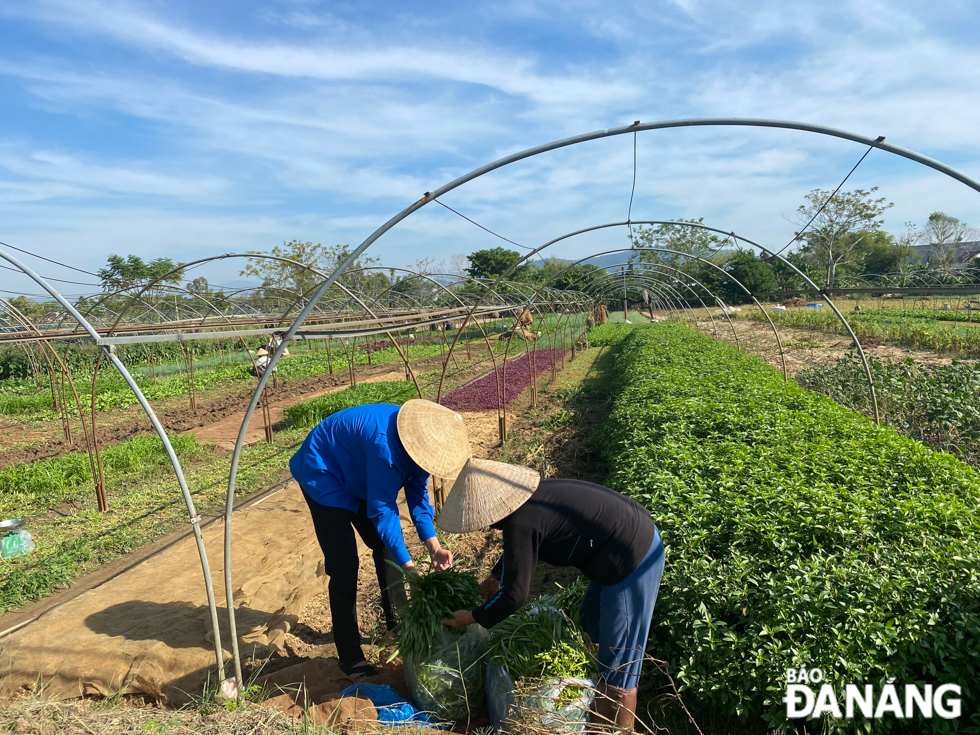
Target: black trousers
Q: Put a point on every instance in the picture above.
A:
(335, 532)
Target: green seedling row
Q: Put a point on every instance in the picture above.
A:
(939, 405)
(960, 340)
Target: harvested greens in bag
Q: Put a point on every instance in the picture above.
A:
(450, 682)
(444, 667)
(540, 671)
(561, 704)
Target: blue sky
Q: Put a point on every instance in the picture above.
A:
(187, 129)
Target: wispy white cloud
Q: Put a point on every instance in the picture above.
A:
(30, 172)
(467, 63)
(304, 120)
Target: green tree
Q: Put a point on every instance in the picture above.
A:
(755, 274)
(839, 225)
(492, 262)
(682, 240)
(291, 277)
(133, 272)
(199, 286)
(943, 233)
(29, 307)
(559, 274)
(879, 253)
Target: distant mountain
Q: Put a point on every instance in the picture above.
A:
(611, 261)
(615, 261)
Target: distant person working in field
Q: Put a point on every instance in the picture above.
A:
(262, 361)
(610, 538)
(351, 468)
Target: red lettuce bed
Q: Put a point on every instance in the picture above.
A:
(481, 394)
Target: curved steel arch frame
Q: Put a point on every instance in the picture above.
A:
(648, 280)
(707, 262)
(158, 427)
(596, 135)
(666, 294)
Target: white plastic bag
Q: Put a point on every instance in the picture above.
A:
(544, 704)
(450, 684)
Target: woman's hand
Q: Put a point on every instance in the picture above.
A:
(460, 619)
(442, 559)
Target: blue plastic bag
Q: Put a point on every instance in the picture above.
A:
(392, 709)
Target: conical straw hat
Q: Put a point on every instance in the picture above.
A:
(262, 352)
(434, 437)
(485, 492)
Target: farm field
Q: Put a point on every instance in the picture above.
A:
(54, 488)
(954, 339)
(655, 412)
(310, 638)
(777, 495)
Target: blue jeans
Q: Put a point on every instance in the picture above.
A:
(618, 616)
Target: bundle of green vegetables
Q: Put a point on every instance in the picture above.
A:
(569, 599)
(541, 642)
(541, 670)
(433, 598)
(444, 667)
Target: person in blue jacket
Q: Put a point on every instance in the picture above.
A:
(351, 468)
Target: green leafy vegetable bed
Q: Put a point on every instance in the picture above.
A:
(797, 533)
(310, 413)
(939, 405)
(961, 340)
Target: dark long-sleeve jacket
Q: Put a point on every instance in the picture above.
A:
(567, 523)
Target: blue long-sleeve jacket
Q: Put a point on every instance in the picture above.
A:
(356, 455)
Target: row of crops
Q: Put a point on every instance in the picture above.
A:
(25, 397)
(160, 381)
(479, 394)
(798, 534)
(75, 538)
(958, 340)
(937, 404)
(161, 358)
(942, 315)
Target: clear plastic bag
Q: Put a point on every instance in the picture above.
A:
(450, 684)
(17, 543)
(546, 704)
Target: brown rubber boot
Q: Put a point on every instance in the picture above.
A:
(615, 707)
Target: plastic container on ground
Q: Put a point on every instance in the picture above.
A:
(450, 684)
(17, 543)
(544, 703)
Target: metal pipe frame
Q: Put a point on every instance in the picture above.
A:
(308, 309)
(636, 127)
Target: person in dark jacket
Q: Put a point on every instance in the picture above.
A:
(351, 468)
(610, 538)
